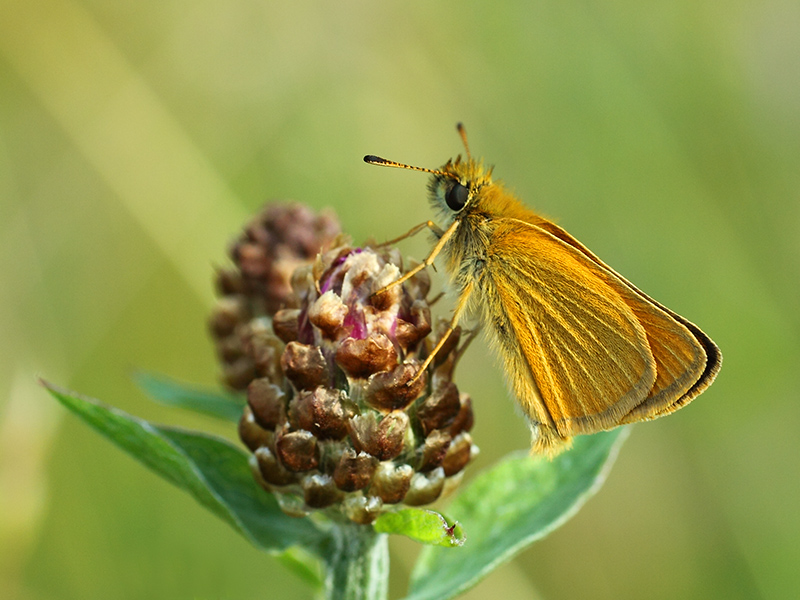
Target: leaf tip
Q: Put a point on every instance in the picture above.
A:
(422, 525)
(454, 534)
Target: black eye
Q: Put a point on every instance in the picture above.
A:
(456, 197)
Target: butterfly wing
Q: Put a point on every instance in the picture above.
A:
(671, 363)
(588, 351)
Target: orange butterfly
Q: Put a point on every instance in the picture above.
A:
(584, 349)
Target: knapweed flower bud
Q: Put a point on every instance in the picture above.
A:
(321, 411)
(285, 324)
(458, 454)
(271, 469)
(319, 491)
(274, 244)
(425, 487)
(440, 408)
(354, 470)
(391, 483)
(252, 434)
(298, 450)
(304, 365)
(383, 437)
(338, 416)
(396, 389)
(434, 450)
(362, 358)
(266, 402)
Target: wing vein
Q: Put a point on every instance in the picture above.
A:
(548, 306)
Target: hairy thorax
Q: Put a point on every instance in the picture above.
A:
(466, 253)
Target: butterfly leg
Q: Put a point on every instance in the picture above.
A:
(436, 298)
(471, 335)
(445, 235)
(463, 301)
(414, 231)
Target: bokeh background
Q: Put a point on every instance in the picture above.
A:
(136, 138)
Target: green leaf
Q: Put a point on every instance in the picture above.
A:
(214, 471)
(425, 526)
(513, 504)
(168, 391)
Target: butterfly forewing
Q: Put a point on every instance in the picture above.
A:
(583, 356)
(687, 360)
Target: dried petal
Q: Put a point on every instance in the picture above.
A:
(252, 260)
(330, 415)
(450, 344)
(327, 268)
(320, 412)
(239, 374)
(229, 282)
(301, 412)
(362, 509)
(303, 282)
(363, 430)
(231, 348)
(434, 450)
(328, 313)
(465, 418)
(291, 504)
(264, 348)
(410, 331)
(384, 440)
(420, 284)
(226, 315)
(386, 299)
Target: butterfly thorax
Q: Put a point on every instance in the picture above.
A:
(487, 201)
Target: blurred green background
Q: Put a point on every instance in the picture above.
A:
(136, 137)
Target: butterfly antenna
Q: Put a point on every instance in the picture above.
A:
(383, 162)
(463, 133)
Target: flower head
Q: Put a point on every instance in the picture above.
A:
(338, 415)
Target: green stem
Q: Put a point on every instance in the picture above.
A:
(357, 561)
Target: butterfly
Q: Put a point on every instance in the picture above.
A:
(584, 349)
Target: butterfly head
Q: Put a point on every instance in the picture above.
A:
(456, 186)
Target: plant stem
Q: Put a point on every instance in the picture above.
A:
(357, 561)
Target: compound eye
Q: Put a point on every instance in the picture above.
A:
(456, 197)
